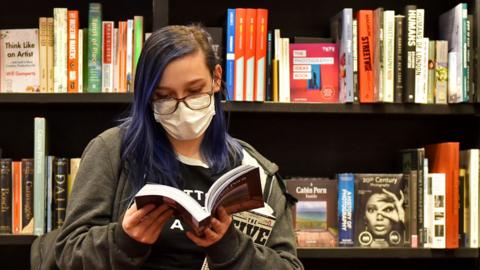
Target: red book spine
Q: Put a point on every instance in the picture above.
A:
(365, 55)
(17, 196)
(261, 55)
(72, 39)
(239, 55)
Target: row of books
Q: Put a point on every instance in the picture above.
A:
(59, 56)
(20, 201)
(433, 203)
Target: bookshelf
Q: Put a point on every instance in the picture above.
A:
(304, 139)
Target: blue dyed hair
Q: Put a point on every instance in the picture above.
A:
(147, 154)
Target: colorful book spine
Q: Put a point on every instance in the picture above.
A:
(94, 48)
(39, 184)
(122, 56)
(60, 50)
(6, 195)
(16, 196)
(50, 56)
(365, 55)
(129, 56)
(230, 56)
(249, 68)
(239, 68)
(27, 196)
(43, 39)
(346, 207)
(73, 59)
(398, 78)
(431, 73)
(378, 64)
(409, 47)
(260, 81)
(138, 38)
(441, 71)
(107, 56)
(388, 55)
(115, 61)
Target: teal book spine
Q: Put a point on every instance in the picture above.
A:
(39, 187)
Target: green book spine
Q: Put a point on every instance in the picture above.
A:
(137, 41)
(39, 176)
(94, 48)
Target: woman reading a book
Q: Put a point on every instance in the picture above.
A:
(175, 135)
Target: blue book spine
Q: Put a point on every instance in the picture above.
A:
(230, 65)
(345, 209)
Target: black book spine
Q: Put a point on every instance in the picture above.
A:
(27, 192)
(269, 92)
(420, 195)
(60, 181)
(409, 41)
(160, 14)
(5, 195)
(461, 211)
(398, 78)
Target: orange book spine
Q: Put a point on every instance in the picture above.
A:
(17, 196)
(250, 40)
(72, 39)
(122, 56)
(445, 158)
(365, 55)
(239, 54)
(261, 55)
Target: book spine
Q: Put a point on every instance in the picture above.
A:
(388, 55)
(74, 164)
(275, 73)
(285, 69)
(249, 37)
(420, 195)
(427, 211)
(49, 193)
(230, 55)
(439, 211)
(43, 53)
(431, 73)
(6, 195)
(60, 187)
(410, 40)
(80, 60)
(269, 74)
(378, 64)
(60, 50)
(138, 38)
(473, 178)
(27, 196)
(355, 59)
(107, 56)
(452, 78)
(420, 95)
(465, 83)
(398, 77)
(50, 56)
(260, 55)
(122, 56)
(469, 60)
(346, 78)
(239, 54)
(441, 71)
(424, 69)
(129, 58)
(365, 55)
(463, 213)
(16, 196)
(85, 60)
(346, 183)
(476, 49)
(73, 41)
(115, 60)
(94, 48)
(39, 176)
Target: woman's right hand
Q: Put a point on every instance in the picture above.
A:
(146, 224)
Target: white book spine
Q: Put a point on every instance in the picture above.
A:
(107, 56)
(439, 213)
(427, 207)
(355, 59)
(278, 45)
(42, 34)
(129, 64)
(39, 187)
(116, 67)
(285, 71)
(424, 68)
(80, 60)
(420, 94)
(473, 173)
(388, 54)
(452, 78)
(60, 50)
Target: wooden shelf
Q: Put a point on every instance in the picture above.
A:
(254, 107)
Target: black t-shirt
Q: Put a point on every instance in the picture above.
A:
(173, 249)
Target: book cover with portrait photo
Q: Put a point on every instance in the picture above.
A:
(380, 210)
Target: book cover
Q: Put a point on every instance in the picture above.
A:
(315, 213)
(341, 29)
(27, 196)
(380, 210)
(6, 195)
(346, 208)
(94, 48)
(230, 54)
(19, 61)
(237, 190)
(314, 72)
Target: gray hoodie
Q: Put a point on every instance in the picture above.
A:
(92, 236)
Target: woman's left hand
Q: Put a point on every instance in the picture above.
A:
(215, 232)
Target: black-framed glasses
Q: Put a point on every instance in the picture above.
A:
(169, 105)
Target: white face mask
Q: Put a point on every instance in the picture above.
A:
(185, 123)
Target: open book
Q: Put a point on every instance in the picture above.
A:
(237, 190)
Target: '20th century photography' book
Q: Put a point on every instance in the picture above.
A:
(237, 190)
